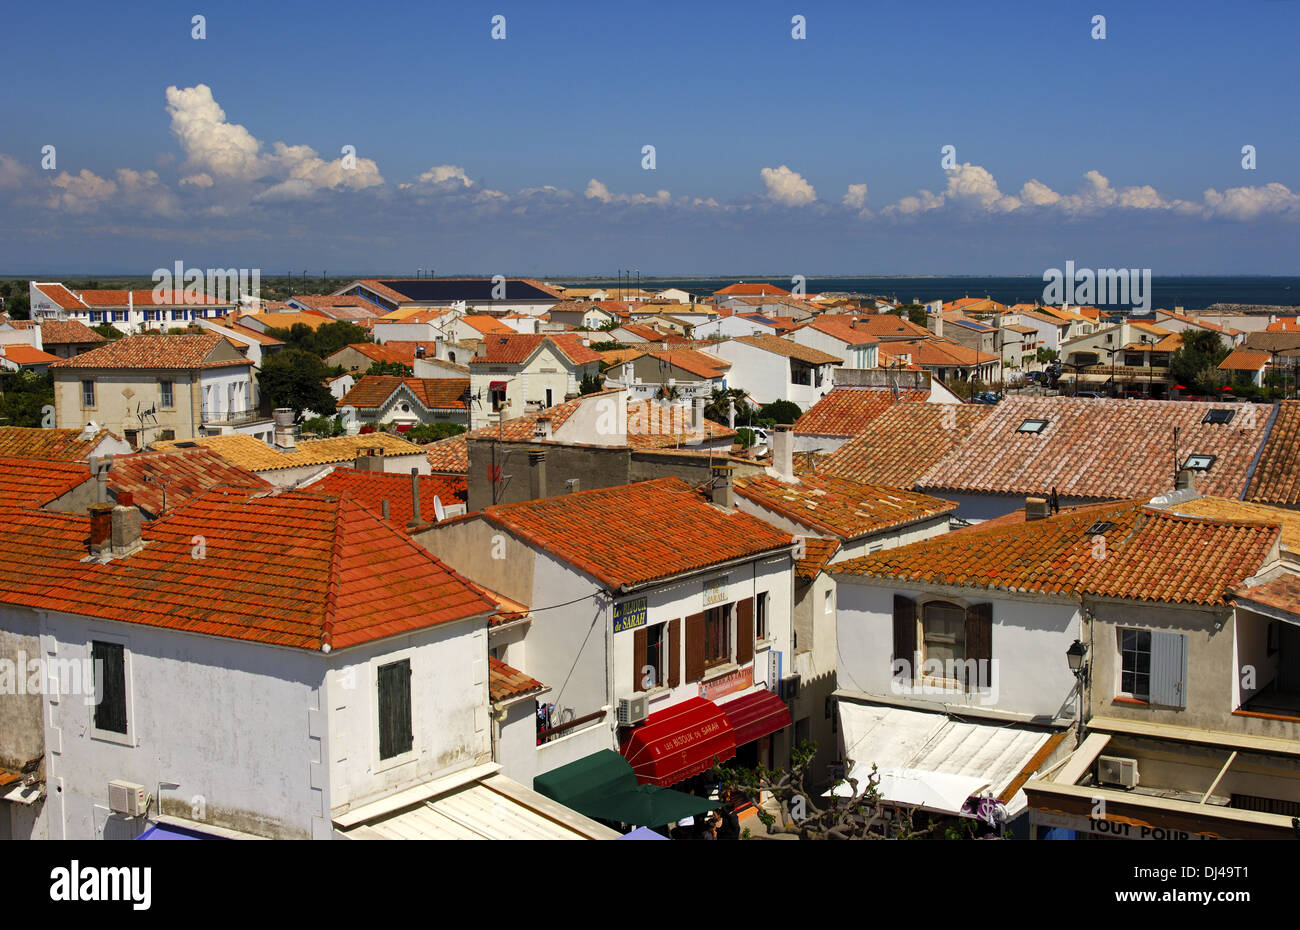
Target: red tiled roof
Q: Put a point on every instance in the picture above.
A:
(817, 555)
(374, 391)
(60, 445)
(505, 682)
(1284, 325)
(888, 326)
(175, 476)
(843, 329)
(399, 351)
(371, 488)
(847, 411)
(638, 532)
(449, 456)
(187, 351)
(841, 506)
(517, 348)
(698, 363)
(293, 569)
(22, 354)
(65, 298)
(1099, 449)
(487, 324)
(1244, 360)
(900, 444)
(36, 483)
(935, 352)
(1282, 593)
(1276, 479)
(650, 334)
(1148, 555)
(176, 298)
(779, 346)
(68, 332)
(741, 288)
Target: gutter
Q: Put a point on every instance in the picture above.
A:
(1259, 453)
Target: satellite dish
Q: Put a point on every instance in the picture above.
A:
(438, 510)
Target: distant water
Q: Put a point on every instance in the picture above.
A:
(1191, 293)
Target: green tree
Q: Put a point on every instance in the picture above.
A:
(108, 331)
(24, 398)
(390, 368)
(295, 378)
(432, 432)
(716, 409)
(746, 437)
(780, 411)
(324, 427)
(591, 384)
(1046, 356)
(1195, 364)
(914, 313)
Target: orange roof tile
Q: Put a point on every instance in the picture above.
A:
(845, 329)
(936, 353)
(68, 332)
(374, 391)
(169, 479)
(449, 456)
(778, 346)
(847, 411)
(517, 348)
(62, 445)
(638, 532)
(741, 288)
(698, 363)
(36, 482)
(188, 351)
(841, 506)
(21, 354)
(505, 682)
(486, 324)
(1282, 593)
(817, 555)
(371, 488)
(1276, 478)
(1244, 360)
(886, 326)
(1148, 555)
(900, 444)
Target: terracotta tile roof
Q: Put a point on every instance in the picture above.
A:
(287, 320)
(339, 307)
(230, 323)
(975, 305)
(1276, 479)
(1282, 593)
(936, 352)
(1169, 343)
(371, 488)
(63, 297)
(487, 325)
(650, 334)
(1285, 325)
(1221, 508)
(68, 332)
(698, 363)
(177, 298)
(374, 391)
(886, 326)
(638, 532)
(648, 425)
(60, 445)
(175, 476)
(35, 482)
(619, 356)
(517, 348)
(1245, 360)
(841, 506)
(449, 456)
(21, 354)
(185, 352)
(778, 346)
(251, 453)
(294, 569)
(741, 288)
(1202, 323)
(847, 411)
(817, 555)
(844, 329)
(905, 440)
(1099, 449)
(384, 290)
(505, 682)
(1148, 556)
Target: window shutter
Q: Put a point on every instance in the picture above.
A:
(110, 686)
(979, 643)
(640, 650)
(1168, 669)
(674, 653)
(745, 631)
(905, 631)
(395, 735)
(695, 647)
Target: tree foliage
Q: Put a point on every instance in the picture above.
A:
(322, 341)
(431, 432)
(1195, 364)
(716, 409)
(24, 397)
(591, 384)
(780, 411)
(391, 368)
(296, 378)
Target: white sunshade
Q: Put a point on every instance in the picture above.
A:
(927, 760)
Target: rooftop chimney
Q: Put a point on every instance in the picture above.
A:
(125, 525)
(416, 515)
(724, 494)
(101, 528)
(283, 417)
(1036, 508)
(100, 465)
(384, 509)
(543, 431)
(1186, 481)
(536, 473)
(783, 451)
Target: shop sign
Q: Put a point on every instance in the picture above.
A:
(1117, 829)
(629, 615)
(715, 591)
(729, 683)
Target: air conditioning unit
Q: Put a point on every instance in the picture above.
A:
(1117, 770)
(127, 798)
(633, 710)
(789, 687)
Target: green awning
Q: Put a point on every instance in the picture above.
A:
(603, 785)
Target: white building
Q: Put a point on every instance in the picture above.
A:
(770, 368)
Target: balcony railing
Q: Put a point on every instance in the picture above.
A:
(231, 417)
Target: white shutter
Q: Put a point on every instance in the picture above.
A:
(1168, 669)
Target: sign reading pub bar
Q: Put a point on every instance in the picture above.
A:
(629, 615)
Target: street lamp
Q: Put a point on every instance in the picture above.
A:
(1076, 656)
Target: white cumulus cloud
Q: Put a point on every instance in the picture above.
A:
(787, 187)
(856, 196)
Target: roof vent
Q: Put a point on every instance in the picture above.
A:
(1100, 528)
(1219, 416)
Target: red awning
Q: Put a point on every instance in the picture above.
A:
(756, 715)
(678, 742)
(497, 386)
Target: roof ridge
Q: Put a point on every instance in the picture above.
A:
(335, 576)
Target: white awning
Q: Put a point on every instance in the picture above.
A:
(929, 761)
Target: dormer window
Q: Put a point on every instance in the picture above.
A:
(1032, 426)
(1199, 462)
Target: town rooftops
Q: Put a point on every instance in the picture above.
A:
(903, 441)
(68, 332)
(37, 482)
(1101, 449)
(1149, 555)
(374, 391)
(818, 552)
(518, 348)
(61, 445)
(449, 290)
(251, 453)
(638, 533)
(68, 299)
(847, 411)
(188, 351)
(701, 364)
(1244, 360)
(885, 326)
(935, 353)
(744, 289)
(841, 507)
(168, 479)
(1276, 478)
(778, 346)
(371, 488)
(296, 569)
(844, 329)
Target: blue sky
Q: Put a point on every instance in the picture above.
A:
(524, 155)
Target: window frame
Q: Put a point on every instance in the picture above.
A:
(762, 621)
(128, 702)
(381, 762)
(722, 615)
(656, 655)
(1120, 672)
(923, 641)
(167, 394)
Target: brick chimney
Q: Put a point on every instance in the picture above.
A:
(370, 459)
(536, 474)
(783, 451)
(724, 493)
(125, 525)
(101, 528)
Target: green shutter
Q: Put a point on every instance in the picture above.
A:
(395, 736)
(110, 686)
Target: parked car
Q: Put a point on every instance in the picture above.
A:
(986, 397)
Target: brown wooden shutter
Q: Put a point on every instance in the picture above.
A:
(674, 652)
(979, 642)
(640, 653)
(905, 632)
(745, 631)
(695, 647)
